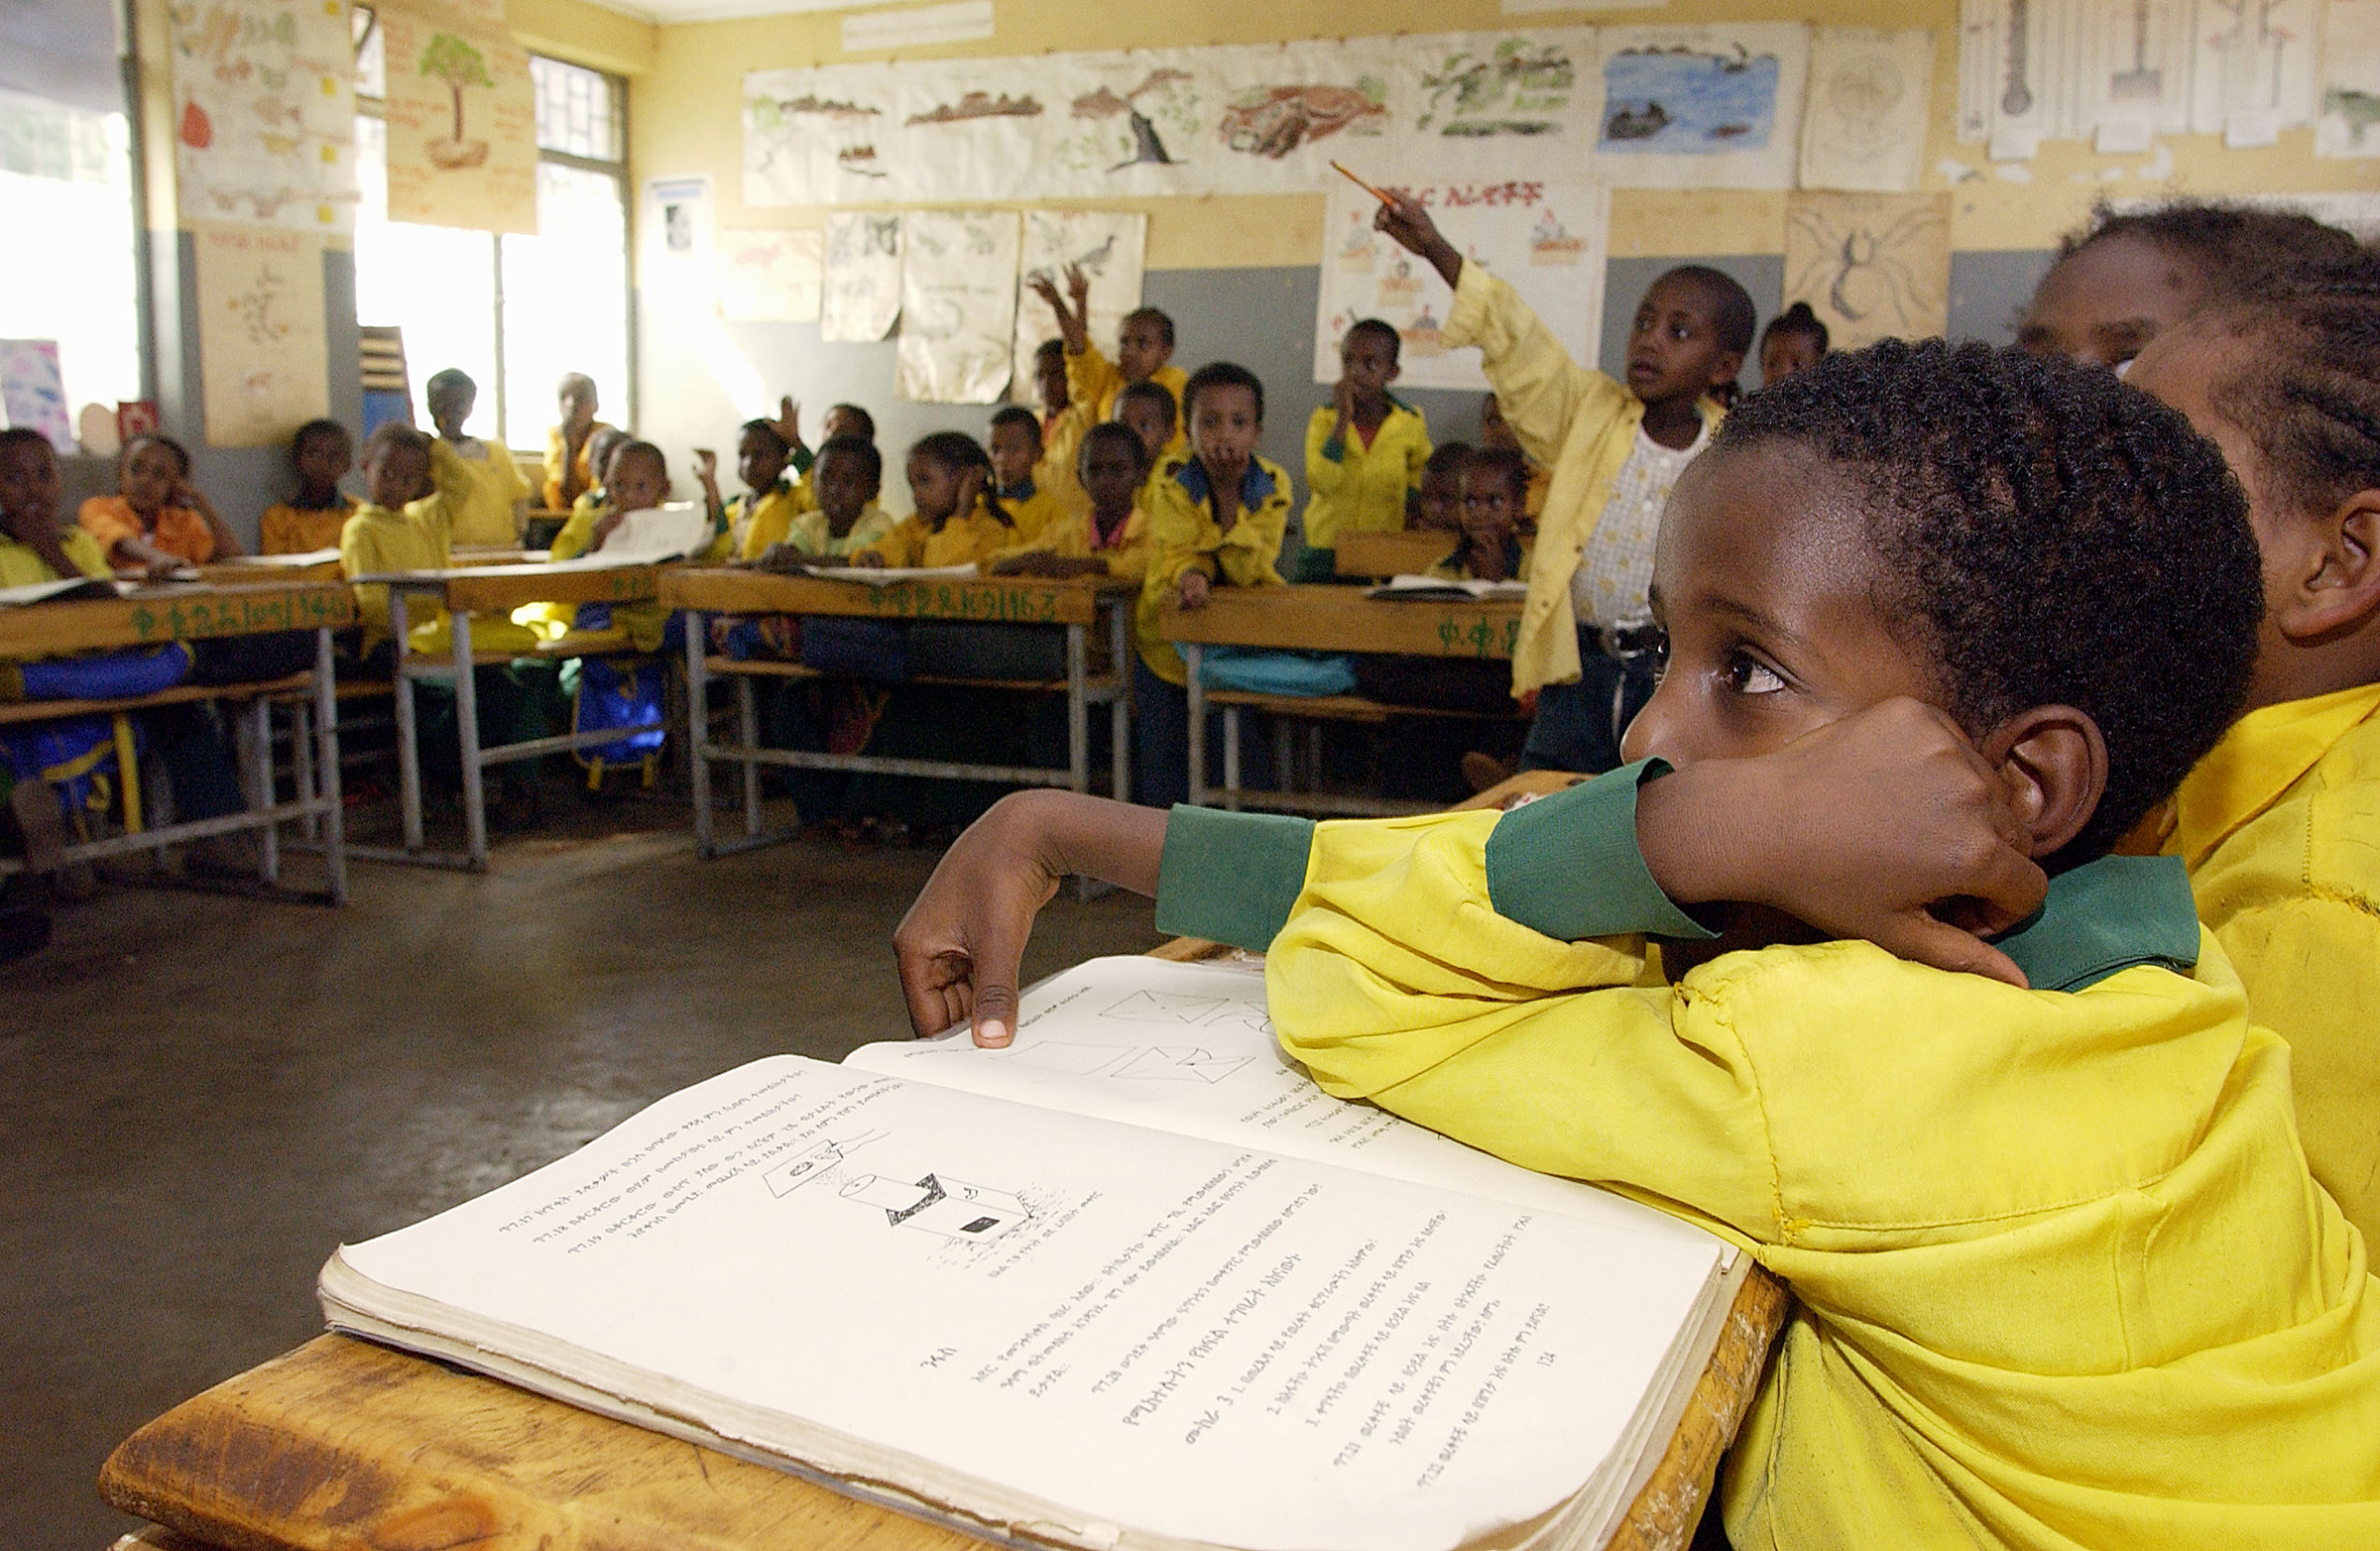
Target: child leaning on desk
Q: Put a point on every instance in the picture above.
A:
(1840, 969)
(1014, 443)
(1111, 539)
(959, 520)
(413, 485)
(157, 521)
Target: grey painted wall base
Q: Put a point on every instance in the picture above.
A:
(1261, 318)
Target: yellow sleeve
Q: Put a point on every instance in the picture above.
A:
(84, 551)
(455, 484)
(1182, 534)
(771, 524)
(577, 535)
(1252, 545)
(1326, 457)
(901, 547)
(499, 459)
(358, 555)
(1541, 391)
(1416, 451)
(1093, 382)
(277, 531)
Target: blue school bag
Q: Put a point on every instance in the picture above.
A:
(76, 757)
(625, 696)
(1260, 670)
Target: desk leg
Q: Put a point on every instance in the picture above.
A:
(301, 764)
(467, 733)
(1231, 758)
(747, 730)
(326, 760)
(1197, 729)
(408, 751)
(1119, 709)
(1077, 710)
(268, 836)
(698, 728)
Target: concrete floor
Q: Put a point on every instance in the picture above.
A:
(201, 1097)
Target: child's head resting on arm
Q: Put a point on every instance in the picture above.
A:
(1148, 408)
(2122, 279)
(396, 465)
(2052, 558)
(321, 453)
(761, 455)
(949, 472)
(847, 476)
(151, 469)
(638, 478)
(2285, 378)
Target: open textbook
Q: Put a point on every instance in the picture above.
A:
(1424, 588)
(1134, 1281)
(886, 576)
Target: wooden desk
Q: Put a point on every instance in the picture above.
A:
(463, 593)
(202, 611)
(1072, 605)
(1406, 553)
(1321, 619)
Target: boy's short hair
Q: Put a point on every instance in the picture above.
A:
(1016, 415)
(313, 428)
(1150, 314)
(449, 380)
(1119, 433)
(1221, 374)
(2309, 397)
(1378, 328)
(1450, 458)
(574, 379)
(870, 455)
(866, 421)
(1798, 319)
(2048, 537)
(638, 449)
(1732, 314)
(395, 435)
(2226, 243)
(158, 439)
(1510, 463)
(767, 428)
(1150, 391)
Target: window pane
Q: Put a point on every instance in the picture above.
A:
(577, 110)
(66, 183)
(565, 300)
(435, 282)
(371, 56)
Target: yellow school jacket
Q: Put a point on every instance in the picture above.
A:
(1075, 537)
(484, 517)
(1578, 422)
(1183, 537)
(2061, 1278)
(2280, 826)
(289, 530)
(1058, 469)
(809, 533)
(1032, 508)
(377, 540)
(967, 540)
(22, 566)
(1352, 488)
(1093, 379)
(757, 521)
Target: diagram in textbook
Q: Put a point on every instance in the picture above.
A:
(951, 1209)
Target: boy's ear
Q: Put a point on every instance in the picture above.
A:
(2337, 587)
(2054, 760)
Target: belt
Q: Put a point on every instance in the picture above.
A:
(1625, 642)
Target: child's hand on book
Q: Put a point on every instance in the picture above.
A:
(1886, 825)
(1194, 588)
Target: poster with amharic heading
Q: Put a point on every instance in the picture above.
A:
(770, 275)
(263, 370)
(958, 305)
(1107, 245)
(264, 112)
(1549, 241)
(1872, 266)
(462, 122)
(862, 294)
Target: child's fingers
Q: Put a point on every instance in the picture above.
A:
(1923, 940)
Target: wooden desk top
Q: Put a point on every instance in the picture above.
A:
(986, 600)
(243, 571)
(176, 611)
(1342, 619)
(500, 589)
(1407, 553)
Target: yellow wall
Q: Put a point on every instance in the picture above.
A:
(584, 34)
(683, 118)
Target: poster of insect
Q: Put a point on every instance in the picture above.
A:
(958, 305)
(263, 365)
(1872, 266)
(462, 123)
(264, 105)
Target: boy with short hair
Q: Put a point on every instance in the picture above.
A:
(497, 509)
(1616, 449)
(1943, 623)
(1014, 443)
(1111, 539)
(1364, 450)
(413, 487)
(568, 472)
(762, 513)
(1150, 412)
(323, 453)
(1495, 488)
(1144, 351)
(848, 476)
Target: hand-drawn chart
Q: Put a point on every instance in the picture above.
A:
(462, 125)
(1864, 127)
(863, 283)
(2350, 105)
(1107, 245)
(262, 362)
(1698, 106)
(958, 305)
(2255, 71)
(1872, 266)
(265, 113)
(1469, 101)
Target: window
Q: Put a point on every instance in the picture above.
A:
(66, 174)
(515, 312)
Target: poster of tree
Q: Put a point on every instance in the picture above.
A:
(462, 122)
(263, 368)
(264, 112)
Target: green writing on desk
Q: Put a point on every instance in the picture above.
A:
(1012, 605)
(185, 619)
(1478, 635)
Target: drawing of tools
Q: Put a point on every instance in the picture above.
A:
(1385, 199)
(2019, 100)
(2140, 83)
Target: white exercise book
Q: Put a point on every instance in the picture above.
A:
(1448, 587)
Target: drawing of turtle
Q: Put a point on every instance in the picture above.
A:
(1279, 119)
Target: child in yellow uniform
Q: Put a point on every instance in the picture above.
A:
(957, 520)
(1494, 433)
(1437, 504)
(1364, 450)
(601, 443)
(1216, 518)
(848, 476)
(1014, 443)
(2281, 825)
(636, 479)
(1063, 423)
(762, 513)
(842, 420)
(569, 469)
(1616, 449)
(323, 453)
(1111, 539)
(2060, 1275)
(1495, 491)
(1143, 350)
(413, 487)
(1795, 341)
(496, 505)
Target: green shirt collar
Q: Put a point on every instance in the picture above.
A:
(2106, 916)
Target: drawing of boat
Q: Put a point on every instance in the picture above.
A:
(1637, 124)
(1728, 131)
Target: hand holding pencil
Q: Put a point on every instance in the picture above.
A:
(1404, 219)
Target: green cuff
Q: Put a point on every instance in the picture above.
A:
(1568, 866)
(1335, 449)
(1231, 878)
(802, 458)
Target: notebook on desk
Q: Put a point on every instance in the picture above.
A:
(1133, 1281)
(1445, 588)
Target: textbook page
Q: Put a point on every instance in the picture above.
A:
(885, 576)
(1420, 587)
(287, 561)
(1107, 1335)
(1189, 1048)
(651, 535)
(65, 588)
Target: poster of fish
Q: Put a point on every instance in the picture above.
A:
(1549, 241)
(1467, 103)
(264, 112)
(958, 305)
(1696, 106)
(1108, 247)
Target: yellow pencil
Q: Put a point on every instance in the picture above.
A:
(1385, 199)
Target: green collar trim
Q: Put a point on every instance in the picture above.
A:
(2106, 916)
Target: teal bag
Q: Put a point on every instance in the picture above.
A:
(1260, 670)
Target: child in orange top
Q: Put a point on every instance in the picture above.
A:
(1111, 539)
(957, 520)
(568, 471)
(323, 453)
(156, 519)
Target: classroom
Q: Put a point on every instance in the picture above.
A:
(1681, 699)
